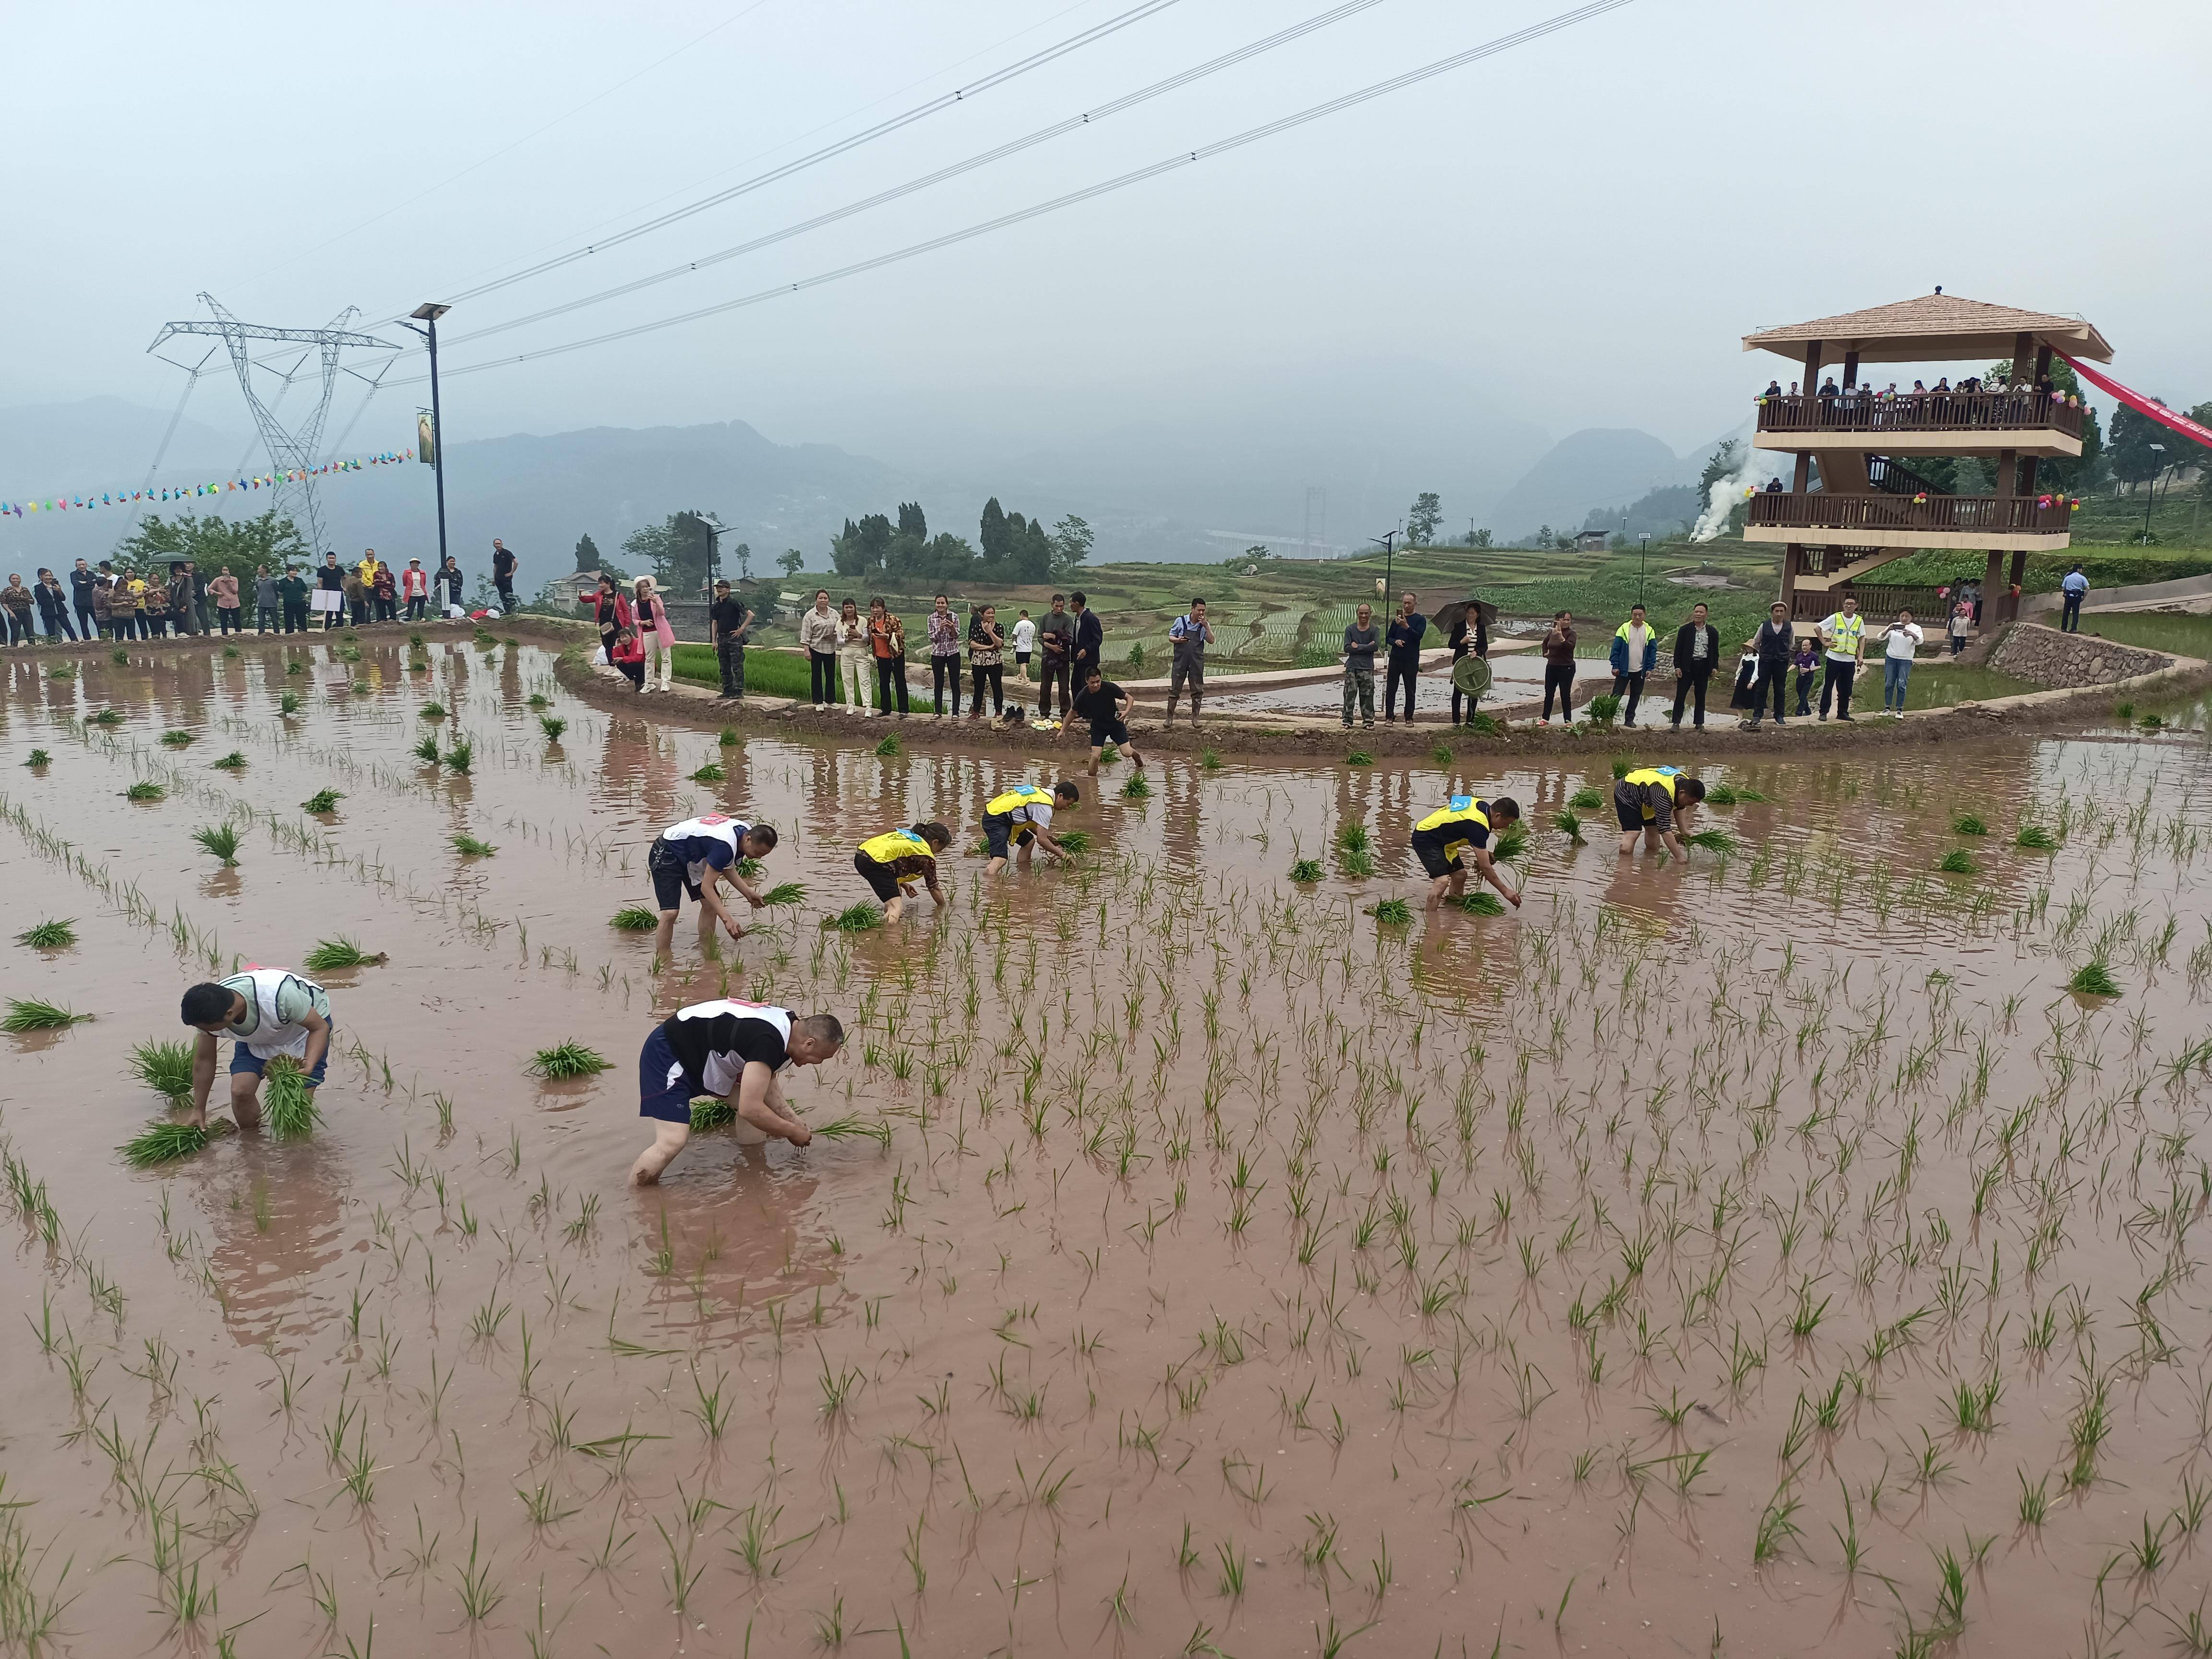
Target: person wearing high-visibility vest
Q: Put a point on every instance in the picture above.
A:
(1464, 825)
(1654, 802)
(693, 857)
(265, 1012)
(891, 863)
(1843, 633)
(1022, 817)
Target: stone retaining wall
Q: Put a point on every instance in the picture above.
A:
(2044, 656)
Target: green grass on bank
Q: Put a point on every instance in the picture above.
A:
(1936, 684)
(768, 673)
(2151, 631)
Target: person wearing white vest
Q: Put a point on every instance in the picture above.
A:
(265, 1011)
(732, 1050)
(692, 857)
(1843, 633)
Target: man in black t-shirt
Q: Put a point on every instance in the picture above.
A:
(502, 575)
(729, 621)
(1106, 707)
(733, 1051)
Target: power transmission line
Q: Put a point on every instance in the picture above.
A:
(1188, 158)
(1013, 147)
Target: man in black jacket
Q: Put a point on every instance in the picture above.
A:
(82, 582)
(1775, 643)
(1089, 640)
(1697, 649)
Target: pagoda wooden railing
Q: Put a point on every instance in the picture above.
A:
(1931, 411)
(1818, 510)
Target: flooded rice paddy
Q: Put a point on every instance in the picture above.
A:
(1760, 1256)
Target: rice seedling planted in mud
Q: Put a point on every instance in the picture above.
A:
(1359, 757)
(37, 1014)
(462, 756)
(164, 1142)
(291, 1106)
(1392, 912)
(1958, 862)
(855, 919)
(48, 935)
(568, 1060)
(552, 725)
(332, 954)
(1568, 823)
(164, 1068)
(636, 918)
(1137, 788)
(288, 703)
(712, 772)
(323, 801)
(104, 717)
(144, 791)
(220, 840)
(432, 711)
(1964, 825)
(234, 761)
(2094, 979)
(729, 738)
(2035, 838)
(1307, 870)
(119, 656)
(427, 750)
(470, 847)
(890, 748)
(176, 739)
(1586, 800)
(39, 760)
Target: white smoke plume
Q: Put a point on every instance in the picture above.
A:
(1751, 471)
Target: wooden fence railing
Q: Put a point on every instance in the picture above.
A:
(1818, 510)
(1932, 411)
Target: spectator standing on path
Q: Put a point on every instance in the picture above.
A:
(385, 591)
(149, 607)
(1635, 653)
(1900, 642)
(103, 616)
(268, 608)
(1471, 634)
(1056, 638)
(331, 580)
(1806, 661)
(180, 599)
(1360, 638)
(1024, 644)
(53, 606)
(414, 589)
(292, 591)
(199, 597)
(1697, 651)
(987, 659)
(1089, 653)
(503, 565)
(887, 641)
(728, 623)
(449, 579)
(361, 591)
(852, 656)
(82, 581)
(1558, 649)
(225, 589)
(1187, 638)
(1404, 664)
(610, 612)
(2076, 587)
(1774, 644)
(943, 654)
(1962, 619)
(1843, 633)
(658, 635)
(818, 635)
(17, 600)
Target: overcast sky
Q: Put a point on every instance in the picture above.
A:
(1576, 231)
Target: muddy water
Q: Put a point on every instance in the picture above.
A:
(1240, 1273)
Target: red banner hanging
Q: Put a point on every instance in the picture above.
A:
(2173, 418)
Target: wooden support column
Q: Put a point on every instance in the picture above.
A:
(2042, 361)
(2008, 472)
(1850, 369)
(1993, 592)
(1793, 562)
(2021, 345)
(2018, 580)
(1811, 383)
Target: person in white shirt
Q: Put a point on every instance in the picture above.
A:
(1962, 623)
(1024, 642)
(1843, 633)
(1900, 641)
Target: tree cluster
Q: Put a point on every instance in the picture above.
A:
(211, 542)
(1013, 549)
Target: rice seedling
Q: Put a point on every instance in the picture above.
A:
(288, 703)
(165, 1068)
(106, 717)
(1480, 904)
(1075, 842)
(552, 725)
(568, 1060)
(854, 919)
(39, 760)
(1967, 825)
(1568, 823)
(462, 756)
(1958, 862)
(2035, 838)
(636, 918)
(145, 793)
(119, 657)
(850, 1127)
(427, 752)
(712, 772)
(1209, 760)
(1712, 840)
(729, 738)
(1136, 788)
(470, 847)
(176, 739)
(2093, 979)
(290, 1107)
(234, 761)
(164, 1142)
(1512, 842)
(432, 711)
(1353, 838)
(48, 935)
(1392, 912)
(1359, 757)
(1721, 794)
(1586, 800)
(37, 1014)
(712, 1114)
(890, 748)
(786, 892)
(220, 839)
(362, 687)
(1442, 754)
(330, 955)
(1307, 870)
(323, 801)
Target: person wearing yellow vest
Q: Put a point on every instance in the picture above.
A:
(1463, 826)
(891, 864)
(1655, 801)
(1022, 817)
(1843, 633)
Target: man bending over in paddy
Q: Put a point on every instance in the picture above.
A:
(892, 862)
(1442, 841)
(1022, 818)
(733, 1051)
(265, 1011)
(1654, 802)
(694, 856)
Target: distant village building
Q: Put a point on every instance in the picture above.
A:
(1589, 541)
(567, 590)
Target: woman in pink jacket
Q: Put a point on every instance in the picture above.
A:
(660, 638)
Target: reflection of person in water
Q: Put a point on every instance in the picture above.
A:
(274, 1235)
(732, 1050)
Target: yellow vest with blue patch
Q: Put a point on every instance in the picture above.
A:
(1664, 776)
(899, 844)
(1464, 809)
(1016, 801)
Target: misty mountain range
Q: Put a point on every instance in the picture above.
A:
(1190, 486)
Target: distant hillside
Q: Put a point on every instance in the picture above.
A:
(1597, 467)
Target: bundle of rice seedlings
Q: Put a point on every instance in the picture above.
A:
(712, 772)
(164, 1142)
(232, 652)
(711, 1113)
(1967, 825)
(470, 847)
(362, 687)
(636, 918)
(48, 935)
(288, 703)
(1622, 766)
(1074, 842)
(2035, 838)
(1109, 754)
(104, 717)
(62, 671)
(1512, 842)
(2094, 979)
(462, 755)
(350, 654)
(1479, 903)
(729, 739)
(176, 739)
(234, 761)
(164, 1068)
(1744, 793)
(1307, 870)
(552, 725)
(1713, 841)
(1136, 788)
(1351, 837)
(1958, 862)
(1442, 754)
(539, 700)
(786, 892)
(290, 1111)
(855, 919)
(1358, 863)
(1586, 800)
(1209, 760)
(568, 1059)
(37, 1014)
(1721, 796)
(220, 839)
(749, 868)
(427, 750)
(332, 954)
(39, 760)
(323, 801)
(119, 655)
(1392, 912)
(432, 711)
(295, 667)
(144, 791)
(888, 748)
(850, 1127)
(1359, 757)
(1569, 823)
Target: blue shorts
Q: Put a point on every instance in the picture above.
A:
(664, 1089)
(243, 1058)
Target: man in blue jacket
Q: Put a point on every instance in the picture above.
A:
(1635, 653)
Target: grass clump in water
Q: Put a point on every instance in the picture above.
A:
(291, 1109)
(462, 756)
(1480, 904)
(323, 801)
(1958, 862)
(427, 750)
(2093, 979)
(1137, 788)
(1569, 823)
(568, 1059)
(636, 918)
(729, 739)
(104, 717)
(234, 761)
(470, 847)
(37, 1014)
(39, 760)
(2035, 838)
(1359, 757)
(48, 935)
(1392, 912)
(432, 711)
(1307, 870)
(1967, 825)
(1586, 800)
(220, 840)
(143, 791)
(786, 892)
(890, 748)
(1210, 760)
(331, 954)
(552, 725)
(1713, 841)
(362, 687)
(164, 1068)
(288, 703)
(855, 919)
(539, 700)
(164, 1142)
(712, 772)
(176, 739)
(119, 655)
(62, 671)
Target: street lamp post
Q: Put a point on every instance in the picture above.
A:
(1643, 547)
(716, 531)
(1388, 543)
(2150, 496)
(428, 314)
